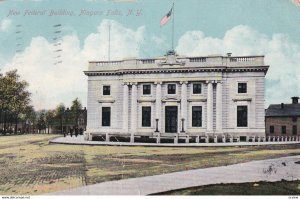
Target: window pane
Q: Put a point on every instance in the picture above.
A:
(283, 129)
(242, 87)
(196, 116)
(271, 129)
(171, 88)
(242, 116)
(196, 88)
(106, 90)
(105, 116)
(146, 116)
(294, 129)
(146, 89)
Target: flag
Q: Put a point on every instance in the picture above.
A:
(166, 18)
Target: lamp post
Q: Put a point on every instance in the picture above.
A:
(156, 131)
(182, 125)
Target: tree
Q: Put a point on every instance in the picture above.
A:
(59, 112)
(14, 97)
(49, 119)
(75, 109)
(30, 118)
(41, 123)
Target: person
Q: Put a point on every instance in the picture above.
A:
(76, 131)
(71, 131)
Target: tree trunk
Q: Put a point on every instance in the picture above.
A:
(5, 118)
(16, 124)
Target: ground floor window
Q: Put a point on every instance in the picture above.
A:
(196, 116)
(146, 116)
(294, 129)
(242, 116)
(105, 116)
(283, 129)
(271, 129)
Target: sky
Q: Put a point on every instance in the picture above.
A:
(52, 58)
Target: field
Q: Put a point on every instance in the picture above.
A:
(30, 165)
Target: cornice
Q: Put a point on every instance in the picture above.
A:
(177, 70)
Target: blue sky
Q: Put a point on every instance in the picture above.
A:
(258, 23)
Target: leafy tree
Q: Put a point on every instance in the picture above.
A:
(41, 123)
(49, 118)
(59, 112)
(14, 97)
(75, 109)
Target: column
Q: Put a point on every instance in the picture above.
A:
(209, 107)
(125, 108)
(184, 105)
(219, 115)
(158, 104)
(133, 111)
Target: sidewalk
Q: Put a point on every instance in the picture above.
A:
(264, 170)
(81, 141)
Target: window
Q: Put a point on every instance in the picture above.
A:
(106, 90)
(294, 129)
(105, 116)
(242, 116)
(147, 89)
(283, 129)
(197, 88)
(294, 118)
(271, 129)
(196, 116)
(171, 88)
(242, 87)
(146, 116)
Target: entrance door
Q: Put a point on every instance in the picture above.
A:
(171, 114)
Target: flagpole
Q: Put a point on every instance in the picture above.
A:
(173, 27)
(109, 41)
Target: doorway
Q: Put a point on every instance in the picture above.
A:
(171, 119)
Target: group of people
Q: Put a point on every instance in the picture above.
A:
(73, 131)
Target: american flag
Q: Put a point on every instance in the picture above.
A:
(166, 18)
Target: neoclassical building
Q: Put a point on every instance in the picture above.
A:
(177, 97)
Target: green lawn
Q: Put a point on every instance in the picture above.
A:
(258, 188)
(30, 165)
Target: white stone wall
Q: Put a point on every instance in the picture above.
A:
(254, 99)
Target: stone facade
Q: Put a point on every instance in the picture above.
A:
(185, 112)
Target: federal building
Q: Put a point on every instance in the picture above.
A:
(177, 97)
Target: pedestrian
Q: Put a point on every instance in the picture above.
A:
(71, 132)
(76, 131)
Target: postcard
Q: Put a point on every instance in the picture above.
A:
(149, 97)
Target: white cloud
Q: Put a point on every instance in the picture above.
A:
(280, 53)
(5, 24)
(51, 84)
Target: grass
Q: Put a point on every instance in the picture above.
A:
(258, 188)
(30, 165)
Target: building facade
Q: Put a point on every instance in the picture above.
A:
(283, 120)
(177, 96)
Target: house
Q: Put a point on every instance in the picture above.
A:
(283, 119)
(177, 97)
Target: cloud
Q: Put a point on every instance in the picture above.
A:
(52, 84)
(5, 24)
(280, 53)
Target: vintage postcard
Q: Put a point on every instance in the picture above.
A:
(149, 97)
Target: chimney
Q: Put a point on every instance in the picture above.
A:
(295, 100)
(282, 105)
